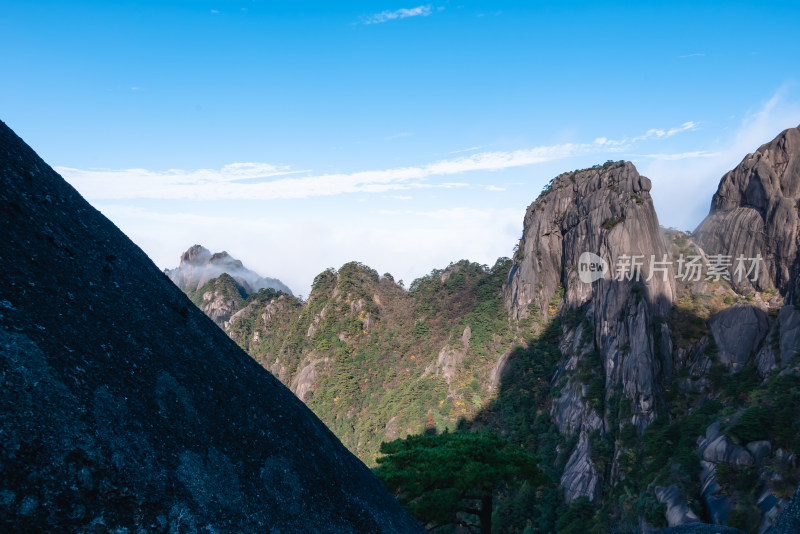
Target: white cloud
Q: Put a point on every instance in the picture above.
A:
(664, 134)
(397, 136)
(297, 247)
(386, 16)
(470, 149)
(687, 126)
(617, 145)
(681, 155)
(248, 180)
(263, 181)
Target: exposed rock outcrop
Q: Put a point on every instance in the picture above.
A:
(220, 298)
(580, 478)
(678, 512)
(606, 211)
(738, 333)
(755, 212)
(198, 266)
(303, 381)
(126, 410)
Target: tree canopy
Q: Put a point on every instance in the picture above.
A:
(450, 478)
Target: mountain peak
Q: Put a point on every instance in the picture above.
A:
(196, 255)
(198, 266)
(755, 212)
(605, 210)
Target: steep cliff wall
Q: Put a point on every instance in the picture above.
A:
(606, 211)
(755, 212)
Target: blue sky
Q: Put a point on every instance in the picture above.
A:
(301, 135)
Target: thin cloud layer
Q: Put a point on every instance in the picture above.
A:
(242, 181)
(407, 243)
(653, 133)
(262, 181)
(386, 16)
(680, 155)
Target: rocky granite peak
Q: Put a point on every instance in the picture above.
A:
(198, 266)
(755, 212)
(196, 255)
(124, 409)
(606, 211)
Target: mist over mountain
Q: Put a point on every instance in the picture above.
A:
(198, 265)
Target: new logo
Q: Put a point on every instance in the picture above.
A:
(591, 267)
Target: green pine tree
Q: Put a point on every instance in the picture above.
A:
(450, 478)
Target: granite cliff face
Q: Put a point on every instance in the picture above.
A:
(124, 409)
(755, 212)
(606, 211)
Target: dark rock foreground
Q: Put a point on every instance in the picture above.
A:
(124, 409)
(700, 528)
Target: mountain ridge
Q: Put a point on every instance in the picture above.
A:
(606, 365)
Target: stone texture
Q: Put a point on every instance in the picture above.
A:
(498, 371)
(607, 211)
(125, 409)
(718, 504)
(789, 334)
(769, 504)
(789, 520)
(755, 211)
(221, 303)
(759, 450)
(573, 415)
(678, 512)
(303, 381)
(738, 332)
(782, 345)
(580, 478)
(722, 449)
